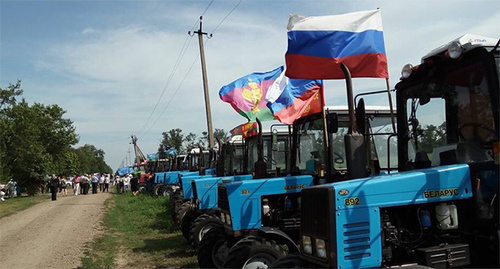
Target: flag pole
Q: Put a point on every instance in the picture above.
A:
(390, 105)
(325, 136)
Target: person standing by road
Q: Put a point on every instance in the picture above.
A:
(76, 185)
(101, 182)
(54, 184)
(94, 180)
(106, 183)
(84, 180)
(63, 186)
(134, 182)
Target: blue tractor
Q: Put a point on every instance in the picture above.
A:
(198, 213)
(262, 217)
(204, 213)
(441, 209)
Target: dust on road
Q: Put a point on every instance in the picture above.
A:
(51, 234)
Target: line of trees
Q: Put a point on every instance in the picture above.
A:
(174, 138)
(36, 140)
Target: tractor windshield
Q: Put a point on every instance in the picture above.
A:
(310, 148)
(451, 111)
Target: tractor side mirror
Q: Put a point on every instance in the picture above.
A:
(332, 123)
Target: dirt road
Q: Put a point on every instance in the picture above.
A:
(51, 234)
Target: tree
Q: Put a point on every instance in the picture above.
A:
(36, 140)
(432, 137)
(172, 139)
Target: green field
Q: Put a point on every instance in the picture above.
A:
(139, 233)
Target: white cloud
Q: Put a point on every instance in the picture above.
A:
(109, 77)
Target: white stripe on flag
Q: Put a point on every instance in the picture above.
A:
(351, 22)
(274, 91)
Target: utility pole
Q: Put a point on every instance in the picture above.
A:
(129, 157)
(205, 83)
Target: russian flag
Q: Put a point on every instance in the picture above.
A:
(291, 99)
(317, 46)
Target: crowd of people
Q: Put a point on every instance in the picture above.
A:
(84, 183)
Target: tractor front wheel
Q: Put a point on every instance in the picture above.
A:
(213, 248)
(201, 226)
(254, 252)
(142, 188)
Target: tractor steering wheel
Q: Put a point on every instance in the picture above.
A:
(338, 159)
(487, 142)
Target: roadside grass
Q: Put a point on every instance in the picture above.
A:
(16, 204)
(139, 233)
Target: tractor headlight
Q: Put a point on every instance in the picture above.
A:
(306, 244)
(406, 71)
(455, 50)
(228, 219)
(321, 248)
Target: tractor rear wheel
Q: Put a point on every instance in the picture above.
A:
(175, 203)
(254, 252)
(142, 188)
(186, 222)
(156, 189)
(165, 191)
(213, 248)
(201, 226)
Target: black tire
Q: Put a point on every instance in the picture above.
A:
(183, 209)
(289, 261)
(156, 189)
(175, 203)
(186, 222)
(142, 188)
(213, 248)
(166, 191)
(201, 225)
(254, 252)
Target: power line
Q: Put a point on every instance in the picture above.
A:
(234, 8)
(191, 67)
(174, 70)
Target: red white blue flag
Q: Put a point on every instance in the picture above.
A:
(291, 99)
(317, 46)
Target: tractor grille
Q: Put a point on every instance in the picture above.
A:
(356, 240)
(223, 201)
(290, 224)
(195, 193)
(316, 211)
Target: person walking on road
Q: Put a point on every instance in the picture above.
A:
(101, 182)
(63, 186)
(54, 184)
(84, 181)
(76, 185)
(94, 180)
(106, 183)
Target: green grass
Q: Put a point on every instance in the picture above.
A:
(13, 205)
(139, 233)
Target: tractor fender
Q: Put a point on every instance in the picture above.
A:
(280, 237)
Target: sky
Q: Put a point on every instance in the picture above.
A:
(129, 67)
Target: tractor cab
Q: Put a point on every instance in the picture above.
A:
(309, 154)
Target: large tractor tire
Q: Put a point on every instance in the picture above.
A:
(186, 222)
(175, 203)
(214, 248)
(201, 225)
(254, 252)
(156, 189)
(142, 188)
(289, 261)
(165, 191)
